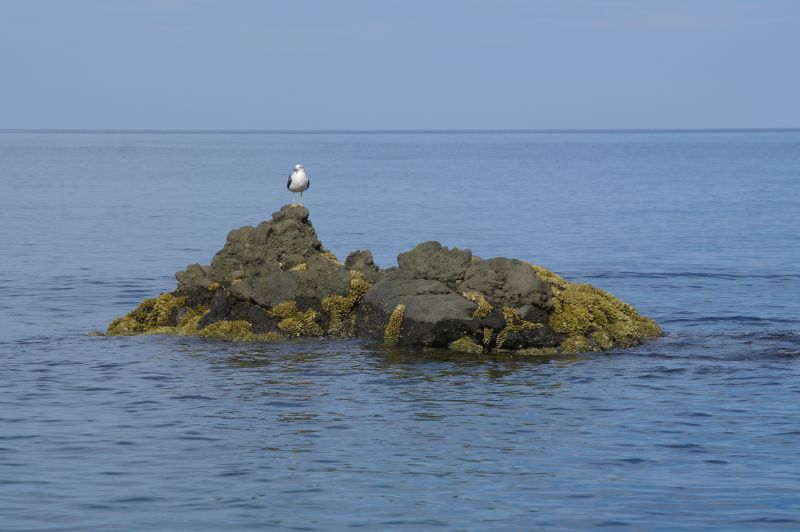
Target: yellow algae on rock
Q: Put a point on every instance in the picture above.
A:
(214, 287)
(484, 307)
(152, 313)
(166, 329)
(602, 320)
(465, 344)
(556, 281)
(602, 340)
(537, 352)
(296, 322)
(359, 285)
(270, 336)
(593, 319)
(514, 324)
(235, 330)
(299, 267)
(391, 335)
(190, 319)
(331, 257)
(487, 335)
(340, 308)
(575, 344)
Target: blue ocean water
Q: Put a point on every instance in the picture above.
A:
(699, 429)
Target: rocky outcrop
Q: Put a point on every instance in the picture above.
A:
(276, 281)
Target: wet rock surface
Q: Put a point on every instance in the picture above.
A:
(276, 281)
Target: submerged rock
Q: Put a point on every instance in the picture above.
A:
(276, 281)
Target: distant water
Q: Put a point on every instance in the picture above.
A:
(699, 429)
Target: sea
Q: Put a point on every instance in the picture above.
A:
(696, 430)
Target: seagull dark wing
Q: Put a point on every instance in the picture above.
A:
(289, 183)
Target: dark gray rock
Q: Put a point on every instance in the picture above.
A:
(275, 288)
(283, 261)
(245, 253)
(257, 251)
(241, 290)
(434, 315)
(290, 261)
(194, 276)
(193, 283)
(322, 277)
(510, 283)
(361, 261)
(224, 307)
(494, 320)
(430, 260)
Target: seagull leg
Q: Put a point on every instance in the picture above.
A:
(292, 199)
(301, 198)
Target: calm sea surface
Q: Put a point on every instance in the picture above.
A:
(697, 430)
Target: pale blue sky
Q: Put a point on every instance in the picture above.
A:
(399, 64)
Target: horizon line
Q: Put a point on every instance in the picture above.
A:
(395, 131)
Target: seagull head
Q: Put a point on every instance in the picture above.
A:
(298, 167)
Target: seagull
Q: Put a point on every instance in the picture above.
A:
(298, 182)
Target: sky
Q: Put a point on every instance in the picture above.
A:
(399, 64)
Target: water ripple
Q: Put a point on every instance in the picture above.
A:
(695, 430)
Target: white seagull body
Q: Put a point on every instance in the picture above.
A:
(298, 182)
